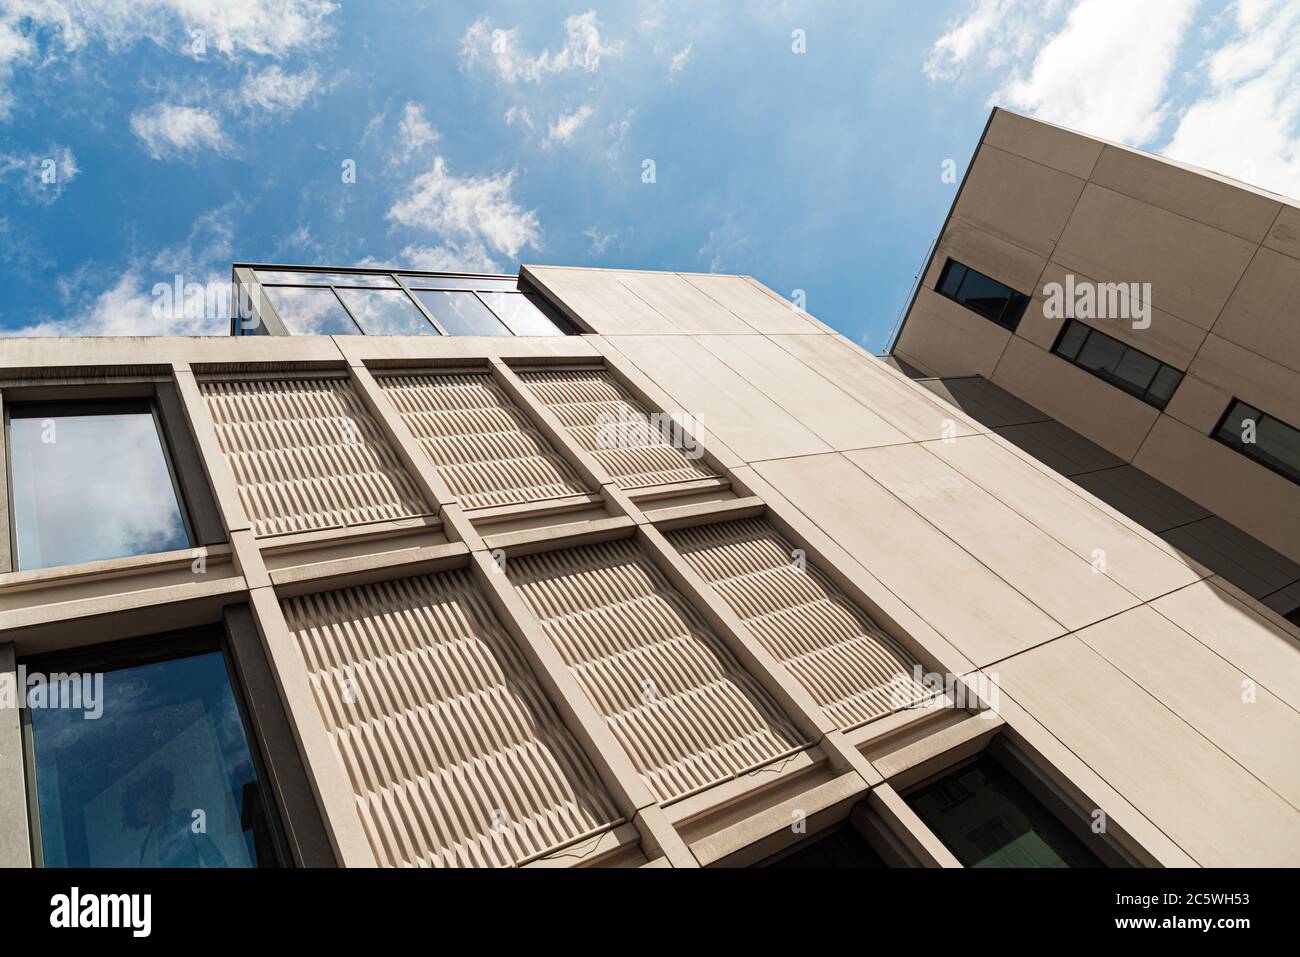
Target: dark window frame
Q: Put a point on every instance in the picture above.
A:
(77, 405)
(144, 650)
(1143, 396)
(1016, 301)
(1244, 448)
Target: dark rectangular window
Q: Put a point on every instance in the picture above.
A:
(1257, 435)
(1121, 365)
(141, 759)
(979, 293)
(90, 481)
(987, 818)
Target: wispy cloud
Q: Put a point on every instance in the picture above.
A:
(471, 212)
(167, 130)
(678, 61)
(500, 51)
(275, 91)
(562, 128)
(39, 177)
(414, 133)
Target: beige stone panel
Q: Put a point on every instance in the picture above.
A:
(1240, 635)
(747, 300)
(903, 405)
(1206, 692)
(1189, 193)
(1103, 413)
(602, 302)
(683, 304)
(1261, 314)
(1198, 404)
(1207, 803)
(1244, 493)
(822, 407)
(1017, 199)
(1250, 565)
(1043, 143)
(982, 616)
(1191, 267)
(1249, 376)
(1167, 338)
(1285, 234)
(1140, 498)
(749, 422)
(972, 245)
(1063, 584)
(950, 339)
(1061, 449)
(1140, 566)
(983, 401)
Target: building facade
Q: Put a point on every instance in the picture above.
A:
(599, 568)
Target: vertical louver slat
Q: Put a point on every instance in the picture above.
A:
(608, 422)
(483, 446)
(306, 454)
(852, 668)
(455, 755)
(674, 696)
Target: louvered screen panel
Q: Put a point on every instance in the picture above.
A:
(455, 755)
(614, 427)
(306, 455)
(677, 700)
(852, 668)
(482, 444)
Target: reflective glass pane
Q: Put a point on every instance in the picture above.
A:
(311, 312)
(146, 765)
(294, 277)
(519, 313)
(1279, 446)
(1136, 370)
(386, 312)
(953, 274)
(460, 282)
(1101, 353)
(90, 487)
(461, 314)
(1163, 386)
(1075, 333)
(989, 819)
(986, 296)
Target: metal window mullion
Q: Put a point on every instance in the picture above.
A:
(419, 305)
(360, 327)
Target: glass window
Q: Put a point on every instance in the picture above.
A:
(844, 847)
(90, 482)
(142, 762)
(386, 312)
(295, 277)
(311, 312)
(980, 293)
(989, 819)
(462, 314)
(1260, 436)
(489, 283)
(1121, 365)
(520, 314)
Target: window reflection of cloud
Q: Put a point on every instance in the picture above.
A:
(517, 312)
(100, 490)
(294, 278)
(386, 313)
(311, 312)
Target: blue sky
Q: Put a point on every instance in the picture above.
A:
(141, 139)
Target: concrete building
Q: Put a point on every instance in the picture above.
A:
(626, 569)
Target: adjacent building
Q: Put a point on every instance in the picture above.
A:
(620, 568)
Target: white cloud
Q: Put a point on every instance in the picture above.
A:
(678, 61)
(562, 128)
(274, 91)
(468, 210)
(519, 114)
(271, 28)
(414, 132)
(40, 177)
(991, 35)
(167, 129)
(599, 241)
(584, 48)
(1106, 71)
(1247, 125)
(450, 257)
